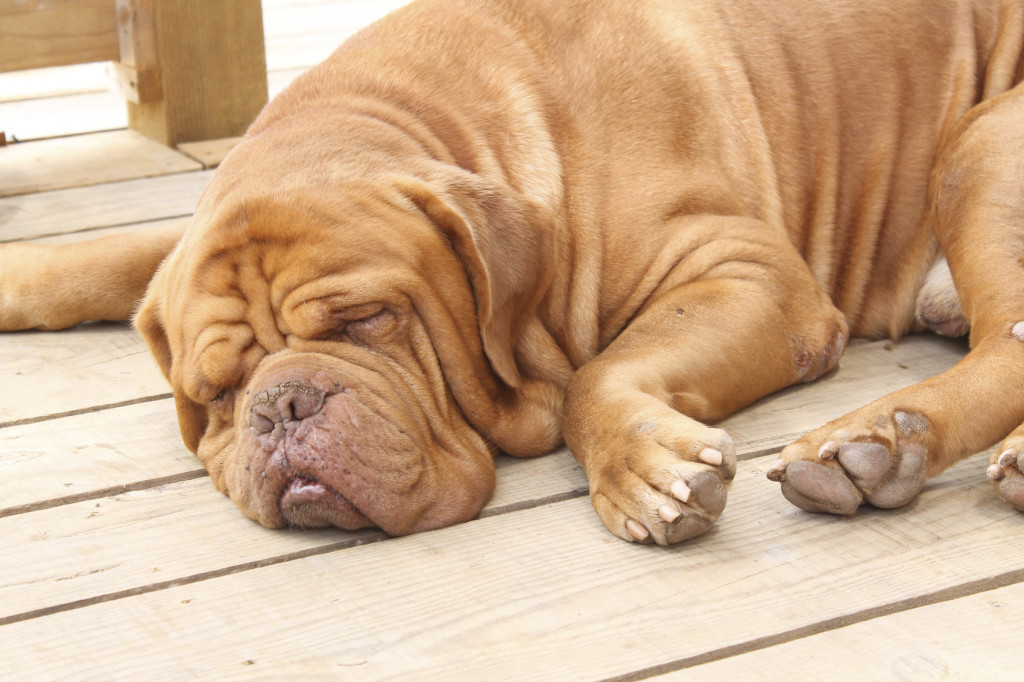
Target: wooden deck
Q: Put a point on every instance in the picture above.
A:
(119, 560)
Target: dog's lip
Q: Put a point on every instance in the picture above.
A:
(305, 497)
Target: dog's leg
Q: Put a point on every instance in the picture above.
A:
(733, 319)
(882, 453)
(54, 286)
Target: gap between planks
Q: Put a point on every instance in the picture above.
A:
(973, 637)
(972, 588)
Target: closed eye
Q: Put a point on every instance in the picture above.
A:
(225, 400)
(373, 327)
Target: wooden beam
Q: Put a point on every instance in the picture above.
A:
(212, 65)
(40, 33)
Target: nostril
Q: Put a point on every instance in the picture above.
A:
(305, 401)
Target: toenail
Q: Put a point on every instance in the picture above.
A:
(637, 530)
(680, 491)
(828, 450)
(840, 346)
(777, 471)
(995, 472)
(1018, 330)
(668, 513)
(710, 456)
(1008, 458)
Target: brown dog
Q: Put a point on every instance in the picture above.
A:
(499, 224)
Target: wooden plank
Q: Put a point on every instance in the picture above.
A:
(36, 119)
(79, 456)
(86, 160)
(39, 33)
(213, 71)
(65, 238)
(210, 153)
(107, 544)
(53, 81)
(127, 541)
(127, 453)
(543, 593)
(29, 216)
(47, 373)
(971, 638)
(125, 447)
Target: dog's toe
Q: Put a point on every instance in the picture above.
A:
(1006, 475)
(866, 463)
(1011, 490)
(885, 483)
(820, 488)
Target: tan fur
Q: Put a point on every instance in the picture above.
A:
(656, 212)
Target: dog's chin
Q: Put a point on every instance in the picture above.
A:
(308, 503)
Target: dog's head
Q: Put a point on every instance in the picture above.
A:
(340, 344)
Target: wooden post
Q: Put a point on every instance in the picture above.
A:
(191, 69)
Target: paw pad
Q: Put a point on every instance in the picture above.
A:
(819, 488)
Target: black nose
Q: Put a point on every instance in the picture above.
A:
(289, 401)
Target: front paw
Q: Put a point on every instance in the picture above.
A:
(664, 487)
(1006, 471)
(884, 466)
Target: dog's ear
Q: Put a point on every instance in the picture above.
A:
(149, 322)
(505, 247)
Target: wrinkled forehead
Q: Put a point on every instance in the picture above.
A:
(251, 275)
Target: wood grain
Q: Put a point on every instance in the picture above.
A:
(970, 638)
(39, 33)
(86, 160)
(30, 216)
(48, 374)
(212, 68)
(542, 593)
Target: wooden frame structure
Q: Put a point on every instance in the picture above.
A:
(120, 560)
(189, 69)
